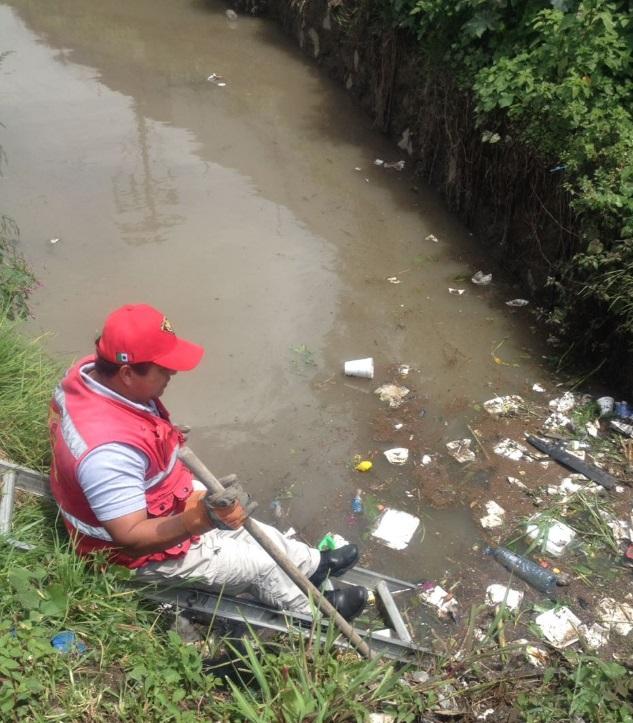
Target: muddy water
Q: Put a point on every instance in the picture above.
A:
(254, 215)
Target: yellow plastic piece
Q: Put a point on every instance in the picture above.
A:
(364, 466)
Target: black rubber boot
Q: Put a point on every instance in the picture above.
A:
(349, 601)
(334, 563)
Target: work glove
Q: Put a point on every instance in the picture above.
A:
(226, 510)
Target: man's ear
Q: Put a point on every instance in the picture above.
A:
(126, 375)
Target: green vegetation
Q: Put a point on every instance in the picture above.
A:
(547, 90)
(16, 279)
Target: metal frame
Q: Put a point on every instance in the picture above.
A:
(397, 644)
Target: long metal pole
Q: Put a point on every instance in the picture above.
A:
(202, 473)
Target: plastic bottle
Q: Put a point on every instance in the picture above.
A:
(526, 569)
(357, 503)
(67, 642)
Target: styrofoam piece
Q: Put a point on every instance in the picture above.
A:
(397, 455)
(392, 393)
(495, 516)
(481, 279)
(538, 388)
(509, 404)
(444, 602)
(500, 594)
(537, 656)
(515, 482)
(617, 616)
(622, 529)
(554, 536)
(556, 420)
(460, 450)
(363, 368)
(559, 626)
(512, 450)
(563, 404)
(426, 459)
(339, 541)
(595, 636)
(395, 528)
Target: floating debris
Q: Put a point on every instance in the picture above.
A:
(403, 370)
(616, 616)
(363, 368)
(231, 15)
(444, 602)
(395, 528)
(538, 388)
(481, 279)
(556, 420)
(397, 455)
(553, 536)
(460, 450)
(393, 280)
(501, 406)
(559, 626)
(393, 394)
(364, 466)
(396, 165)
(432, 237)
(563, 404)
(379, 162)
(426, 459)
(512, 450)
(517, 302)
(456, 292)
(495, 516)
(515, 482)
(502, 595)
(54, 241)
(217, 80)
(595, 636)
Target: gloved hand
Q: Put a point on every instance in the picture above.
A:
(226, 510)
(229, 509)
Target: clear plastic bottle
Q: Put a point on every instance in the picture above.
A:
(357, 503)
(527, 570)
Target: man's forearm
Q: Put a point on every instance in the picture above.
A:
(155, 535)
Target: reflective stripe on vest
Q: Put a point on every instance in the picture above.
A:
(165, 473)
(74, 441)
(100, 533)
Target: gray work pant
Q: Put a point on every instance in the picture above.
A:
(233, 562)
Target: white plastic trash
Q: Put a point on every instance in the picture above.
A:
(500, 594)
(495, 516)
(559, 626)
(554, 537)
(395, 528)
(517, 302)
(503, 405)
(363, 368)
(617, 616)
(512, 450)
(481, 279)
(397, 455)
(460, 450)
(393, 394)
(444, 602)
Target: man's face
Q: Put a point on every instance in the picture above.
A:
(144, 387)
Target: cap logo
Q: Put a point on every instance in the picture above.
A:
(122, 357)
(166, 326)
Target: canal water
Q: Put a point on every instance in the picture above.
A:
(254, 215)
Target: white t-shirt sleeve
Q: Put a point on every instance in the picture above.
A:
(112, 477)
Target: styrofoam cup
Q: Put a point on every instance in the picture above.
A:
(360, 368)
(605, 404)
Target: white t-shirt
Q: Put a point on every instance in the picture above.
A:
(112, 476)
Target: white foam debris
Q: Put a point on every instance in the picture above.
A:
(553, 536)
(538, 388)
(563, 404)
(481, 279)
(395, 528)
(512, 450)
(595, 636)
(460, 450)
(392, 393)
(509, 404)
(516, 483)
(617, 616)
(495, 516)
(397, 455)
(444, 602)
(500, 594)
(559, 626)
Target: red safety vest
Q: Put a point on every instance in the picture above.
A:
(81, 420)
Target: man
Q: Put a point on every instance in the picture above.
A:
(121, 488)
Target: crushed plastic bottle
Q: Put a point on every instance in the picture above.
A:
(357, 503)
(526, 569)
(67, 642)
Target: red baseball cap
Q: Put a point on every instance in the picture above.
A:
(138, 333)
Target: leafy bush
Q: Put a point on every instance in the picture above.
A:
(16, 279)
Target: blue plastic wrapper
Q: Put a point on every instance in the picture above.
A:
(67, 642)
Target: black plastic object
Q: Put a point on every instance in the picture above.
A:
(568, 460)
(526, 569)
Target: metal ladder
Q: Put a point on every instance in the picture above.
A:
(396, 642)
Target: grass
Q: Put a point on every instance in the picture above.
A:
(27, 380)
